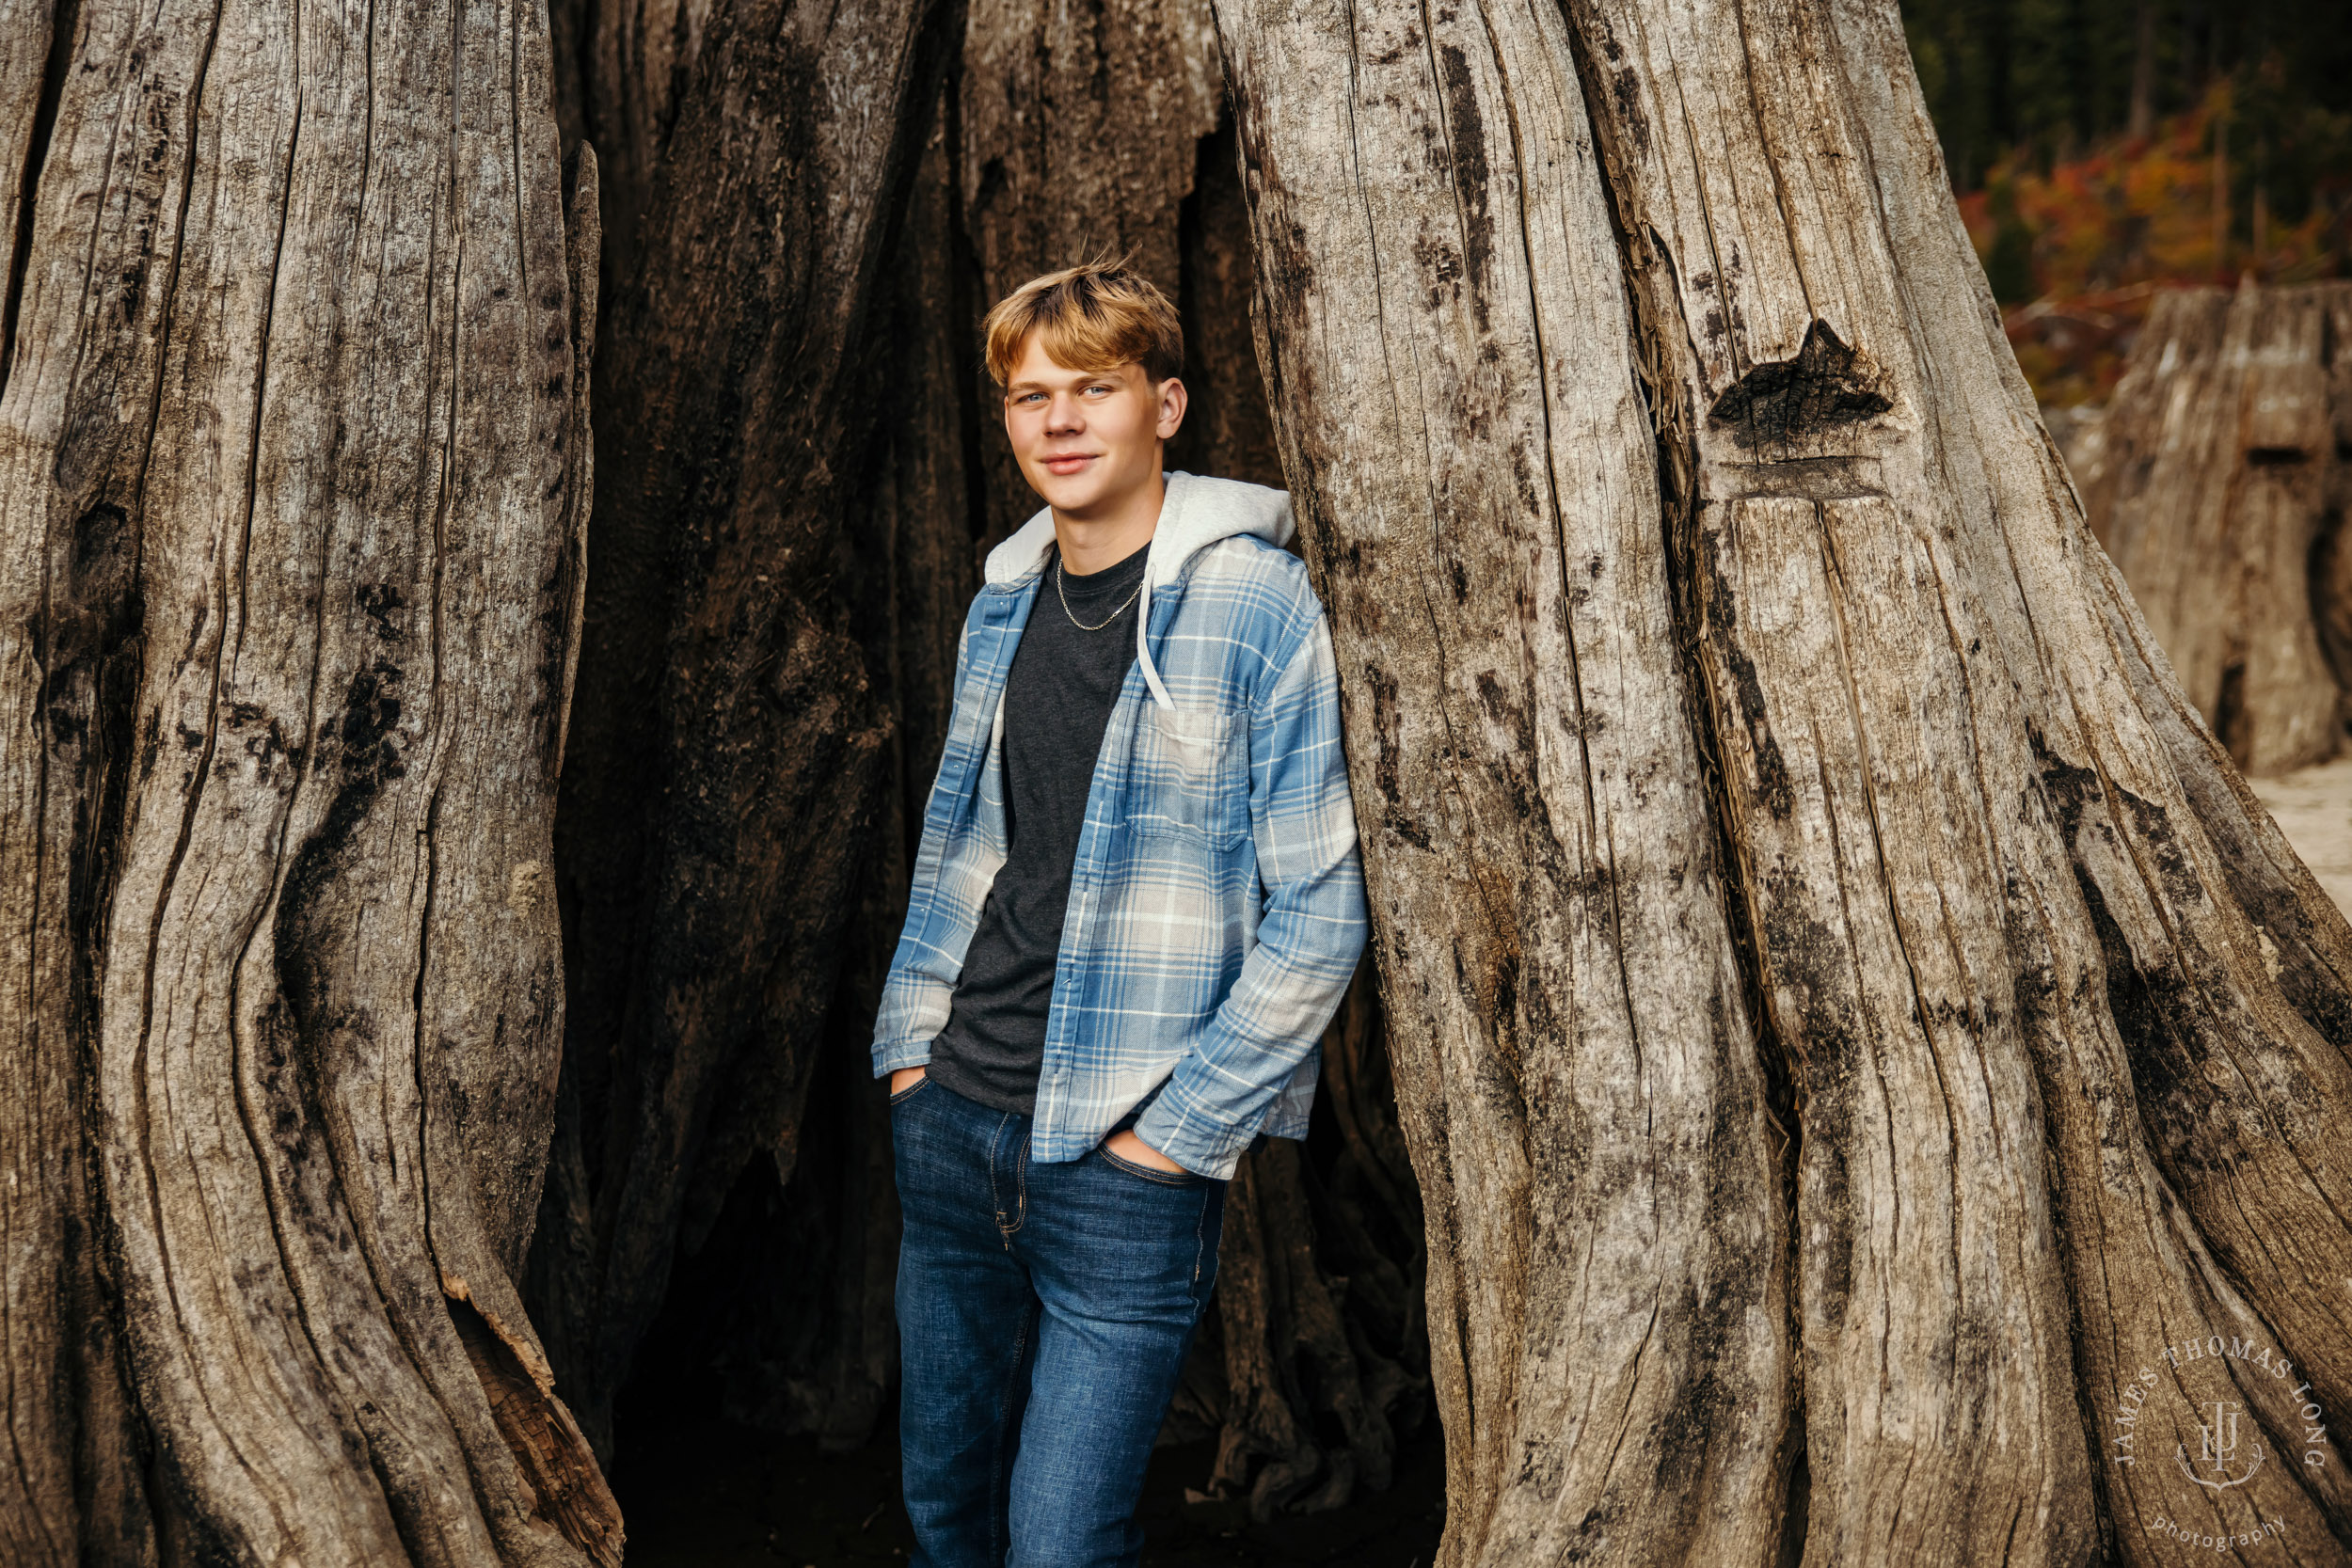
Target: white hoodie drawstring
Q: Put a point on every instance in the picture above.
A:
(1233, 508)
(1143, 648)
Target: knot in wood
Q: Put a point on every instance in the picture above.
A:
(1786, 403)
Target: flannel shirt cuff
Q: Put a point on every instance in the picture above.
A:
(900, 1054)
(1189, 1134)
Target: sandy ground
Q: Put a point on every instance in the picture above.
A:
(2312, 806)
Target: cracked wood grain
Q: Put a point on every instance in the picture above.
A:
(1675, 491)
(1447, 345)
(288, 453)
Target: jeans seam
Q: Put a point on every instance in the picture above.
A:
(1020, 1184)
(1200, 1237)
(1000, 1529)
(995, 1195)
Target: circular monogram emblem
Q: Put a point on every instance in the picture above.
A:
(2213, 1413)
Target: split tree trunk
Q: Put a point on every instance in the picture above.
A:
(293, 467)
(2216, 481)
(1748, 736)
(709, 838)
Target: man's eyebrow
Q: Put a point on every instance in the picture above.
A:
(1078, 378)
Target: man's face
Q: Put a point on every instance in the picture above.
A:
(1088, 439)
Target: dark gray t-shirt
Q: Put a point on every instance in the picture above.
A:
(1059, 696)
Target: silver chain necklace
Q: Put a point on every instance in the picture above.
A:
(1073, 618)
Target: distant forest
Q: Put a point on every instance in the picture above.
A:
(2052, 78)
(2106, 151)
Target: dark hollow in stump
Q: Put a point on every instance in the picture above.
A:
(709, 836)
(2217, 480)
(1312, 1365)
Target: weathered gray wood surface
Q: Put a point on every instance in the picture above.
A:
(2216, 481)
(1451, 364)
(293, 451)
(26, 29)
(1736, 699)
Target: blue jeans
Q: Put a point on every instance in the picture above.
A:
(1044, 1312)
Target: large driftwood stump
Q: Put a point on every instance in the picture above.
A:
(1875, 1074)
(2217, 480)
(293, 467)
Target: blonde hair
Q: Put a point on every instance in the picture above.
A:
(1094, 316)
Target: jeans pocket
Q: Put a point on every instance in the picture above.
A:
(1164, 1177)
(902, 1096)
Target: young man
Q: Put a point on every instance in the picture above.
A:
(1136, 906)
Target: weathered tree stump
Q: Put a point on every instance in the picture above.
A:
(1860, 1042)
(2216, 481)
(294, 466)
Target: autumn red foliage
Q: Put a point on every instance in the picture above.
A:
(2077, 248)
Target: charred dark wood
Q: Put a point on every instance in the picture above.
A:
(1228, 429)
(807, 1340)
(728, 742)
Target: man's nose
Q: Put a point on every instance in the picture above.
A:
(1063, 413)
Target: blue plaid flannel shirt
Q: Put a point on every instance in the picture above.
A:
(1216, 906)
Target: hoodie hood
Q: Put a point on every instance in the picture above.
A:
(1195, 512)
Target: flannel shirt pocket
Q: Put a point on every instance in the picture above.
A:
(1191, 775)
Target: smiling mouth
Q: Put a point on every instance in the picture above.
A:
(1070, 462)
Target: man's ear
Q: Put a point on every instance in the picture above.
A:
(1173, 399)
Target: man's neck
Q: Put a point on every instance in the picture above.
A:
(1105, 538)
